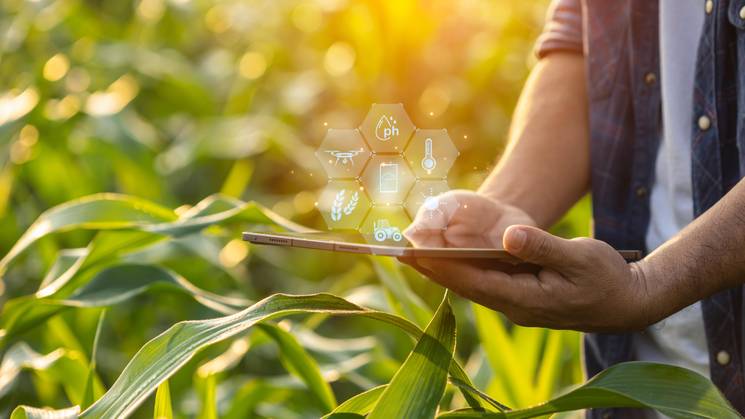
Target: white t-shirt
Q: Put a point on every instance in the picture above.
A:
(680, 339)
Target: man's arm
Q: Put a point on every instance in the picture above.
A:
(546, 167)
(705, 257)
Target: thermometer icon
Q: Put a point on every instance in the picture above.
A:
(428, 162)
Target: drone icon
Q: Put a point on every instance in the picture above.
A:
(344, 156)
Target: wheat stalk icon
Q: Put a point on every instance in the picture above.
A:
(338, 209)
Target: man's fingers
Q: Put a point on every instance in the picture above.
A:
(537, 246)
(483, 286)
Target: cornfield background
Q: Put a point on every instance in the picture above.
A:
(203, 117)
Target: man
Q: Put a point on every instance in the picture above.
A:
(642, 103)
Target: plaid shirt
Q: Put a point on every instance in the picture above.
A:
(620, 42)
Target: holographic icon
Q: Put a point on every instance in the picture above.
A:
(431, 153)
(344, 156)
(343, 204)
(382, 231)
(339, 209)
(427, 200)
(428, 161)
(384, 173)
(388, 178)
(386, 128)
(343, 153)
(431, 204)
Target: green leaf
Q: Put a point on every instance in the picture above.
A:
(511, 383)
(161, 357)
(301, 364)
(360, 404)
(208, 409)
(66, 371)
(673, 391)
(119, 283)
(403, 300)
(478, 393)
(111, 286)
(96, 212)
(27, 412)
(116, 212)
(19, 357)
(163, 409)
(89, 395)
(416, 389)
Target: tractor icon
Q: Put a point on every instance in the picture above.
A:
(382, 231)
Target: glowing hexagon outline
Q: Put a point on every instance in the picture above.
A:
(342, 156)
(416, 160)
(373, 183)
(370, 127)
(345, 200)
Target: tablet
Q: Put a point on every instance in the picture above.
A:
(424, 246)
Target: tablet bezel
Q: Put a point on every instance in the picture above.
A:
(279, 239)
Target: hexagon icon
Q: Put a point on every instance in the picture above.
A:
(387, 179)
(384, 225)
(424, 201)
(431, 153)
(387, 128)
(343, 153)
(343, 204)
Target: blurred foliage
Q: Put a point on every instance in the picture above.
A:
(176, 100)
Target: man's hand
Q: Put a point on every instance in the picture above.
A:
(584, 284)
(468, 213)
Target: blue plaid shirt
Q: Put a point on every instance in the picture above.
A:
(620, 42)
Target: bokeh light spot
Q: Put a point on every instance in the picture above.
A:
(113, 99)
(339, 59)
(233, 253)
(307, 17)
(252, 65)
(56, 67)
(151, 10)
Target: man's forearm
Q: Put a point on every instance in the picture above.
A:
(546, 166)
(705, 257)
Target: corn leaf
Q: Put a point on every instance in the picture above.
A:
(100, 211)
(118, 212)
(511, 383)
(19, 357)
(89, 394)
(161, 357)
(403, 300)
(208, 409)
(299, 363)
(110, 286)
(673, 391)
(163, 409)
(360, 404)
(416, 389)
(27, 412)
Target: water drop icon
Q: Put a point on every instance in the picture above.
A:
(385, 128)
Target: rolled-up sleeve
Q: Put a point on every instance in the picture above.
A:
(563, 29)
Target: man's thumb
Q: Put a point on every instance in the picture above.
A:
(535, 245)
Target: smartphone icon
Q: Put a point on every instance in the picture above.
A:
(388, 177)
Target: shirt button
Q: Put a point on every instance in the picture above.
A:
(742, 13)
(650, 78)
(704, 122)
(641, 191)
(709, 6)
(723, 357)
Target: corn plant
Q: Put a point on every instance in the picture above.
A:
(126, 260)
